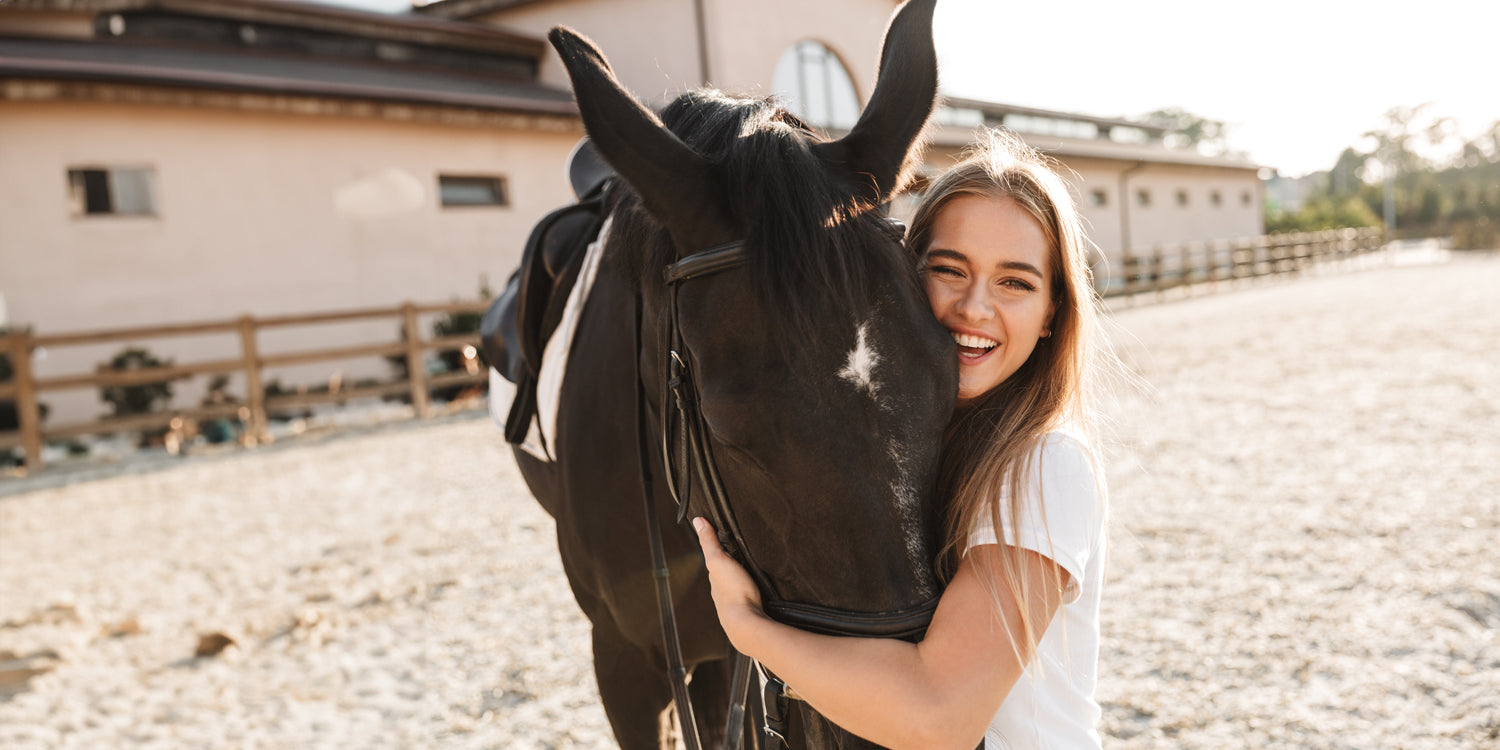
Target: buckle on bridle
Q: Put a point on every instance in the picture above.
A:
(675, 369)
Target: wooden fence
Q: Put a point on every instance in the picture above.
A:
(24, 388)
(1162, 268)
(1169, 266)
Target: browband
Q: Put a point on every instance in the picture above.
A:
(704, 262)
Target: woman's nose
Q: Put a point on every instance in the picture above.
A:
(975, 304)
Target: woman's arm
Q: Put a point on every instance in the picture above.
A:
(941, 692)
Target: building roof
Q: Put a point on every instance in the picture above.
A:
(126, 62)
(470, 8)
(473, 8)
(952, 136)
(997, 111)
(283, 47)
(408, 27)
(1065, 143)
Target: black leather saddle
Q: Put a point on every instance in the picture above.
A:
(516, 327)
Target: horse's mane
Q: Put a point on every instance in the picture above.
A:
(813, 245)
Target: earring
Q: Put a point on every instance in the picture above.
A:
(1046, 332)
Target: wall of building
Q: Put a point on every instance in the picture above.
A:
(257, 213)
(746, 39)
(650, 44)
(1167, 219)
(1164, 220)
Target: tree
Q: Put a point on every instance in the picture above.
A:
(1348, 173)
(1402, 132)
(1189, 130)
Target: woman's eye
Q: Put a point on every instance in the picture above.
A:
(1019, 285)
(944, 271)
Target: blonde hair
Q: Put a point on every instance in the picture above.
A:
(992, 441)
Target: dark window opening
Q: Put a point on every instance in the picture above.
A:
(456, 191)
(103, 192)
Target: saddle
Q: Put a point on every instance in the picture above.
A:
(515, 328)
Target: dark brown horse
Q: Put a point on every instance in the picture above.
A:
(823, 380)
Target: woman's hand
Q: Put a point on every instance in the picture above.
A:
(735, 595)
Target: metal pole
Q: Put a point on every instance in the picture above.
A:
(702, 22)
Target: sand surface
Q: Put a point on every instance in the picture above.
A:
(1306, 517)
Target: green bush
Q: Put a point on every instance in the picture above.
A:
(1479, 234)
(1324, 213)
(136, 399)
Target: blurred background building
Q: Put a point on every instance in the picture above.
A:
(167, 161)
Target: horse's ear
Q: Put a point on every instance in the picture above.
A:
(874, 155)
(676, 183)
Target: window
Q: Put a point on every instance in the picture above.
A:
(1098, 198)
(960, 116)
(1062, 128)
(1216, 198)
(1122, 134)
(105, 191)
(1245, 198)
(1182, 198)
(1143, 197)
(816, 86)
(470, 190)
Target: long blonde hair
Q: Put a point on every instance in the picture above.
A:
(991, 442)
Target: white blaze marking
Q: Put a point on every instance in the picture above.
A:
(860, 368)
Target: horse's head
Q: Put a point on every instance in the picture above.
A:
(823, 380)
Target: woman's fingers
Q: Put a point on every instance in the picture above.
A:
(729, 580)
(706, 536)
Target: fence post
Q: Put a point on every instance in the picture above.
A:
(416, 371)
(28, 412)
(1156, 275)
(255, 391)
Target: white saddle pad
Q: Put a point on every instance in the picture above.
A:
(543, 431)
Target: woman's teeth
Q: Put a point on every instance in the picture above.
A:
(974, 342)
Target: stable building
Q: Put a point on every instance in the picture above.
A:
(173, 161)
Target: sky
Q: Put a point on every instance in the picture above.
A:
(1297, 81)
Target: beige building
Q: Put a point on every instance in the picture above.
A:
(167, 161)
(1133, 192)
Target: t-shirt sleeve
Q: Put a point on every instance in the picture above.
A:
(1063, 512)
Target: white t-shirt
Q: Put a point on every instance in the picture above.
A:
(1053, 706)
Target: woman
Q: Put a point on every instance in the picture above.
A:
(1011, 654)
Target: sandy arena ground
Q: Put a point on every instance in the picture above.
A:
(1306, 517)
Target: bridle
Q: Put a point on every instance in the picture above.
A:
(681, 415)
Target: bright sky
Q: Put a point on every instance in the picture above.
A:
(1297, 80)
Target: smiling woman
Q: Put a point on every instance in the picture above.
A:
(986, 278)
(1011, 654)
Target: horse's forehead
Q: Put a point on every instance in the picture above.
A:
(862, 370)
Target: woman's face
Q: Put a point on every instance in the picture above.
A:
(987, 276)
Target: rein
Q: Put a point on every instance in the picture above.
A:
(679, 384)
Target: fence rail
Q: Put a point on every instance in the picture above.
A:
(1159, 269)
(1170, 266)
(24, 387)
